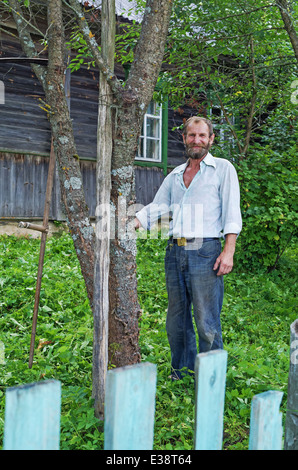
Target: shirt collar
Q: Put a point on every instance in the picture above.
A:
(208, 160)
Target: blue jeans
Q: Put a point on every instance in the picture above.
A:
(191, 281)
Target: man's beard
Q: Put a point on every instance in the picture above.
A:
(198, 153)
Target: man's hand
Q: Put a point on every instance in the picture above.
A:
(225, 260)
(225, 264)
(137, 223)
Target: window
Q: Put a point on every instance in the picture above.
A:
(221, 127)
(149, 149)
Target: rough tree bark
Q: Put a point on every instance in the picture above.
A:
(139, 88)
(130, 102)
(52, 81)
(284, 9)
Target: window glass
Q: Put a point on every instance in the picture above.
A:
(149, 148)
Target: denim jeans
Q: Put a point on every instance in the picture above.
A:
(191, 282)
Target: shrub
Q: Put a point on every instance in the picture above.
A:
(269, 208)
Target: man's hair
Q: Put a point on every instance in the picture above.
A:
(196, 120)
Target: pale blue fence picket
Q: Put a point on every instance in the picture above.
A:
(210, 396)
(32, 412)
(266, 422)
(32, 416)
(130, 407)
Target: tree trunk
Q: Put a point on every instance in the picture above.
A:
(102, 232)
(72, 192)
(284, 9)
(52, 80)
(124, 305)
(138, 91)
(130, 103)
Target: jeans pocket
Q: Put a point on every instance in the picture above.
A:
(209, 249)
(169, 248)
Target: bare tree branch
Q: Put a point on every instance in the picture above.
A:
(253, 99)
(284, 9)
(27, 44)
(149, 52)
(104, 68)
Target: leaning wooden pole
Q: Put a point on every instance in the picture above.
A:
(44, 230)
(291, 425)
(102, 230)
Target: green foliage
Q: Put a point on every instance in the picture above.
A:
(64, 331)
(257, 312)
(269, 195)
(126, 39)
(221, 55)
(83, 56)
(258, 306)
(268, 185)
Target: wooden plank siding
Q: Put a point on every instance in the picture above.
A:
(23, 186)
(83, 110)
(23, 124)
(24, 178)
(25, 138)
(175, 142)
(147, 182)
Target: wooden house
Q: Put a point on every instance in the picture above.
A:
(25, 136)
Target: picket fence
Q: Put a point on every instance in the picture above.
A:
(32, 412)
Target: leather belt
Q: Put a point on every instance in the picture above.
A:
(184, 241)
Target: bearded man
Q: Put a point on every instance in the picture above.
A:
(203, 198)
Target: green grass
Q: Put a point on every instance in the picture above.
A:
(257, 313)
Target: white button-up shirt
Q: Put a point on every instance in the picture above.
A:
(209, 207)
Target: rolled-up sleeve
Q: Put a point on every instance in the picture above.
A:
(230, 199)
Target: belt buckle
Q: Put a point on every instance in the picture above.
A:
(181, 241)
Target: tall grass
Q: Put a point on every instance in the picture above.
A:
(258, 310)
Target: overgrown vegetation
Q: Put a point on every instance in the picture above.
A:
(258, 310)
(234, 61)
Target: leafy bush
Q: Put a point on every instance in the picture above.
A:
(269, 195)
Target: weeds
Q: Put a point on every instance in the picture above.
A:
(258, 310)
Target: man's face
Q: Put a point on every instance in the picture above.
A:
(197, 140)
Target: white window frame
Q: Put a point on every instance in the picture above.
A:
(158, 117)
(222, 125)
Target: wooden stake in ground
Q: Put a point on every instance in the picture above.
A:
(103, 191)
(44, 231)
